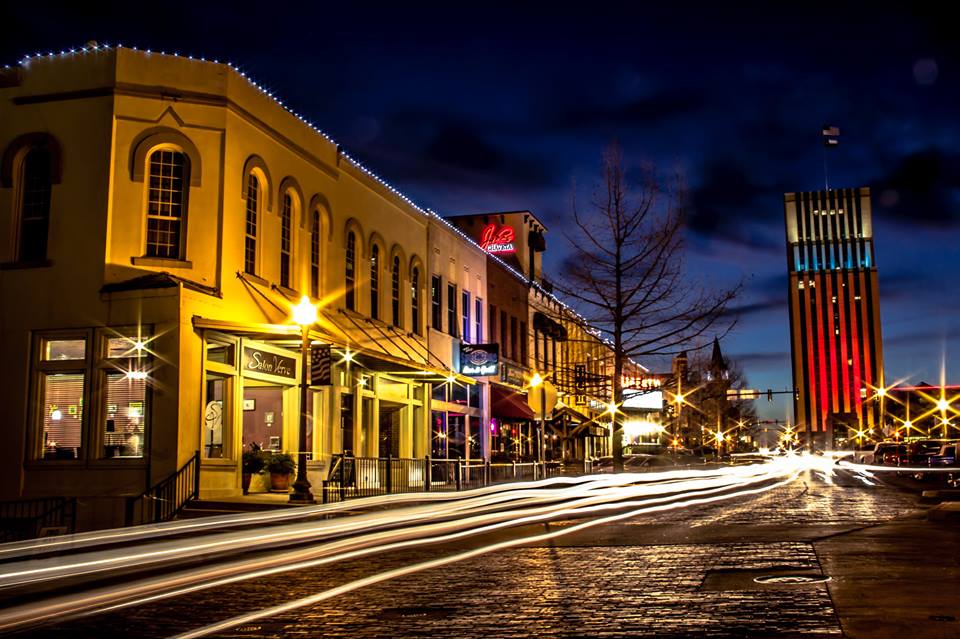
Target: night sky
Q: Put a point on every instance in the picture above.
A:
(480, 109)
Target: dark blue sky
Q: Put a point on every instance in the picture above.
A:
(484, 108)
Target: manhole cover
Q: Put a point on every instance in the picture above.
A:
(417, 612)
(791, 579)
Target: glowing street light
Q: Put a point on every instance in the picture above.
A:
(305, 315)
(537, 381)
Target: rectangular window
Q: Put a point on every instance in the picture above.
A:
(465, 316)
(436, 303)
(523, 343)
(61, 401)
(250, 239)
(492, 330)
(215, 411)
(286, 239)
(125, 415)
(514, 340)
(452, 308)
(166, 203)
(61, 385)
(124, 385)
(315, 256)
(504, 344)
(478, 321)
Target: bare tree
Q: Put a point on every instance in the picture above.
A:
(626, 272)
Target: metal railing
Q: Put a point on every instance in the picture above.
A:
(165, 499)
(38, 517)
(351, 477)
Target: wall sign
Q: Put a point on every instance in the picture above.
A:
(258, 361)
(479, 360)
(498, 239)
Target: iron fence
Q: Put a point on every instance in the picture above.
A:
(351, 477)
(164, 500)
(39, 517)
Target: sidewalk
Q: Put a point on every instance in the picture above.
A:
(897, 579)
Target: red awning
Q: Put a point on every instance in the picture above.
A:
(508, 404)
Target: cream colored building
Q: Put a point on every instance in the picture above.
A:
(159, 215)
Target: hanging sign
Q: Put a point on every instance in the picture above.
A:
(498, 239)
(479, 360)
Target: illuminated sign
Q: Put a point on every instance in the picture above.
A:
(479, 360)
(498, 239)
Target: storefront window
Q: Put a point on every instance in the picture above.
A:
(213, 415)
(456, 435)
(438, 435)
(458, 393)
(125, 347)
(57, 350)
(438, 392)
(62, 405)
(125, 415)
(220, 353)
(476, 396)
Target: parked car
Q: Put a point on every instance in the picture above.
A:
(919, 452)
(946, 456)
(883, 453)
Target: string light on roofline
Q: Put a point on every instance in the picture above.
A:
(357, 164)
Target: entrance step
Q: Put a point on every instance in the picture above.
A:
(210, 507)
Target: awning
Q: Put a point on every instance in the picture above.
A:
(564, 409)
(508, 404)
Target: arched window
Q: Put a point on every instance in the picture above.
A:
(286, 238)
(250, 238)
(375, 282)
(315, 256)
(350, 270)
(415, 299)
(167, 203)
(395, 293)
(35, 180)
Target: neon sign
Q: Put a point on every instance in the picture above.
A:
(498, 239)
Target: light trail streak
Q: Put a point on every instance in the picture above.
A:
(33, 547)
(435, 563)
(245, 570)
(44, 611)
(88, 564)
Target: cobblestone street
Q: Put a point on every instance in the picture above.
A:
(672, 574)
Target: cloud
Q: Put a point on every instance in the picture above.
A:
(727, 204)
(648, 111)
(755, 308)
(923, 188)
(762, 360)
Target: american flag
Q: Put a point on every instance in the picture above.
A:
(830, 135)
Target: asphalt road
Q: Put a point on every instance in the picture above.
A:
(685, 573)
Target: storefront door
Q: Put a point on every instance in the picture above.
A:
(263, 416)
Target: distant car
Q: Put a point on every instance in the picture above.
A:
(946, 456)
(878, 452)
(888, 454)
(919, 452)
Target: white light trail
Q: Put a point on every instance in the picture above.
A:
(399, 572)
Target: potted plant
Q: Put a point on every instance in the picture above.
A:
(280, 466)
(253, 462)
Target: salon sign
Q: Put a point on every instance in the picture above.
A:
(267, 363)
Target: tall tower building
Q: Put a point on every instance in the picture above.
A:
(837, 350)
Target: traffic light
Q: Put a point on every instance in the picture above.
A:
(769, 394)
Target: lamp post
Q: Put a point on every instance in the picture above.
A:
(304, 314)
(538, 382)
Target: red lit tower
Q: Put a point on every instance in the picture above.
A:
(837, 350)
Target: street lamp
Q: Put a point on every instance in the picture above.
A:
(535, 382)
(305, 315)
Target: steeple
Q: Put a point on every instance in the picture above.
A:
(718, 365)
